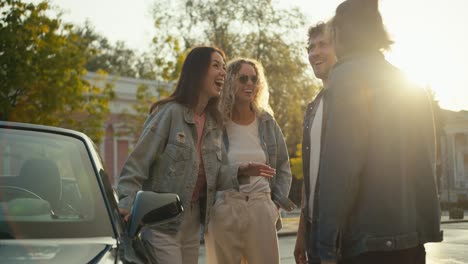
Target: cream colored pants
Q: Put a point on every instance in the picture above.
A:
(180, 248)
(242, 230)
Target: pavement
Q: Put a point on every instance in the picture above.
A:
(290, 223)
(451, 251)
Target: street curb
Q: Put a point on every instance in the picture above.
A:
(288, 233)
(454, 221)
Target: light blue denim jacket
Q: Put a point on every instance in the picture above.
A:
(165, 159)
(276, 152)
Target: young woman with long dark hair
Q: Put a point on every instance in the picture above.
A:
(179, 151)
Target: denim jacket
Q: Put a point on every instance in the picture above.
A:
(165, 159)
(376, 187)
(309, 117)
(276, 152)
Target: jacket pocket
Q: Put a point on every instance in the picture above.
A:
(174, 165)
(177, 153)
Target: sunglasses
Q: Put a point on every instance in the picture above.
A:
(244, 79)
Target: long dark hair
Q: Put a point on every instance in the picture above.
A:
(190, 81)
(360, 27)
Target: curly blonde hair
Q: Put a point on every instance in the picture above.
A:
(260, 103)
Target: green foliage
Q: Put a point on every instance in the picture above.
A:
(296, 163)
(255, 29)
(41, 71)
(115, 59)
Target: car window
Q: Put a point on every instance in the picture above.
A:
(48, 179)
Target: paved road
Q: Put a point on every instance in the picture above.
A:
(286, 250)
(454, 249)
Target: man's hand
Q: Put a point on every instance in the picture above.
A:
(125, 213)
(256, 169)
(300, 252)
(300, 248)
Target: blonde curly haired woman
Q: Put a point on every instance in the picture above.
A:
(245, 217)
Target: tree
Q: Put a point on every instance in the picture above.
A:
(115, 59)
(133, 122)
(255, 29)
(296, 163)
(41, 71)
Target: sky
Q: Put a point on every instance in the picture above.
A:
(430, 35)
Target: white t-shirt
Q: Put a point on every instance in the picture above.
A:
(315, 137)
(244, 146)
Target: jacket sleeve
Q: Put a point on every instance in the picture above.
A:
(147, 150)
(343, 155)
(283, 176)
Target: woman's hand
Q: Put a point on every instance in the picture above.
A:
(125, 213)
(256, 169)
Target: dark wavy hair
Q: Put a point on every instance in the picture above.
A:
(358, 26)
(321, 28)
(315, 31)
(190, 81)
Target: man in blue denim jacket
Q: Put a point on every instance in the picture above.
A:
(375, 198)
(322, 58)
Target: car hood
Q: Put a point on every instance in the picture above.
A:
(53, 250)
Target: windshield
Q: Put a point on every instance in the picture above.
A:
(48, 188)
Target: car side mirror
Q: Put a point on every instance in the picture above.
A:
(152, 208)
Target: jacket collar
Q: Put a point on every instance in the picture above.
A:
(264, 116)
(358, 55)
(188, 117)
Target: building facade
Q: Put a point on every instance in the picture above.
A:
(118, 140)
(454, 156)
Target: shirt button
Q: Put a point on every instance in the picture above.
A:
(389, 243)
(307, 126)
(307, 147)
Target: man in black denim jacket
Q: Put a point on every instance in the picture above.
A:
(376, 195)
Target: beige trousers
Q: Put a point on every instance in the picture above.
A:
(242, 230)
(181, 247)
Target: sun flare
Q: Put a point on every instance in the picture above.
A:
(444, 73)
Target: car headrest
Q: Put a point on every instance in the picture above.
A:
(42, 177)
